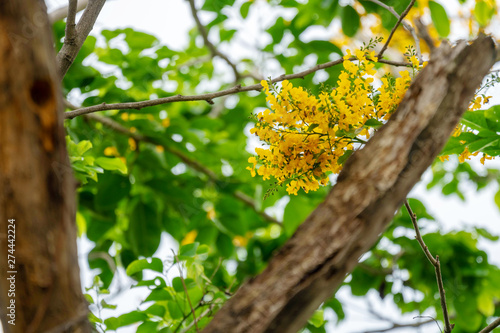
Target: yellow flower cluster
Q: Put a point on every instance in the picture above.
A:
(307, 137)
(474, 105)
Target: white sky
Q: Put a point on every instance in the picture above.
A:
(170, 21)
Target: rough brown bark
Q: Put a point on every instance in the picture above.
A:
(372, 186)
(36, 183)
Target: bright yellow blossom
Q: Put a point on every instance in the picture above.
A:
(307, 136)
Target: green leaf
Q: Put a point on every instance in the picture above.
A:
(492, 116)
(179, 286)
(312, 127)
(224, 245)
(174, 310)
(188, 250)
(144, 231)
(244, 9)
(497, 199)
(277, 30)
(345, 156)
(148, 327)
(483, 13)
(111, 189)
(159, 294)
(203, 249)
(154, 264)
(296, 212)
(336, 306)
(373, 123)
(439, 18)
(350, 21)
(477, 120)
(89, 298)
(216, 5)
(139, 40)
(156, 310)
(93, 318)
(82, 147)
(486, 234)
(107, 306)
(81, 224)
(111, 163)
(317, 319)
(126, 319)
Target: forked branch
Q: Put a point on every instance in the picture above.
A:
(69, 51)
(405, 24)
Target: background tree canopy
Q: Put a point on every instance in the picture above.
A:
(177, 163)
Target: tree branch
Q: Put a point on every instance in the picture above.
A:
(491, 326)
(184, 158)
(208, 43)
(372, 185)
(405, 24)
(424, 34)
(398, 326)
(61, 13)
(437, 267)
(70, 38)
(68, 52)
(400, 18)
(209, 96)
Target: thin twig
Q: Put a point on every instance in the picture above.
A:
(394, 324)
(491, 326)
(184, 158)
(208, 43)
(437, 267)
(398, 326)
(70, 37)
(423, 32)
(203, 314)
(381, 53)
(209, 96)
(186, 291)
(61, 13)
(68, 52)
(405, 24)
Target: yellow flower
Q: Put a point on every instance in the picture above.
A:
(307, 134)
(486, 157)
(414, 61)
(211, 214)
(111, 151)
(240, 241)
(132, 144)
(190, 237)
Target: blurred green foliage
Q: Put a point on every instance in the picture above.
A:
(131, 191)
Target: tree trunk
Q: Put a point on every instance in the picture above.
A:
(373, 185)
(39, 274)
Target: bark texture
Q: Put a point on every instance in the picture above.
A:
(71, 47)
(373, 185)
(36, 182)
